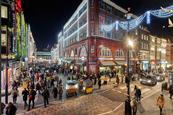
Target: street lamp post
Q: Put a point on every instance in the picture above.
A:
(0, 52)
(130, 43)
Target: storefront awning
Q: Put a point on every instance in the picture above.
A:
(107, 63)
(120, 63)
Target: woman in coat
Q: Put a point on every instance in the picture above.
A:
(160, 102)
(55, 92)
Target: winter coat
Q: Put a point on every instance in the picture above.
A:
(138, 92)
(60, 90)
(32, 94)
(99, 82)
(160, 101)
(46, 94)
(15, 93)
(55, 92)
(25, 94)
(38, 87)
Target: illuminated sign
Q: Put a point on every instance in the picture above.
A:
(4, 12)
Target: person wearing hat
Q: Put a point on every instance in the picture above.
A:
(160, 102)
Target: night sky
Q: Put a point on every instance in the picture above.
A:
(47, 17)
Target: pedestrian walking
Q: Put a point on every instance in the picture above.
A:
(160, 102)
(138, 94)
(60, 92)
(46, 96)
(32, 94)
(14, 93)
(11, 109)
(38, 87)
(95, 80)
(171, 91)
(55, 92)
(117, 80)
(99, 83)
(25, 94)
(60, 82)
(133, 104)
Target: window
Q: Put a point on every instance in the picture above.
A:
(4, 36)
(119, 53)
(105, 52)
(101, 22)
(142, 36)
(83, 9)
(92, 2)
(92, 16)
(108, 20)
(4, 12)
(102, 5)
(108, 8)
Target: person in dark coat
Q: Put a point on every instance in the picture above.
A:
(38, 87)
(25, 94)
(55, 92)
(117, 80)
(11, 109)
(46, 96)
(32, 95)
(171, 91)
(60, 92)
(138, 94)
(99, 83)
(95, 80)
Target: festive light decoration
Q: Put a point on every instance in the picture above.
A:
(108, 28)
(116, 25)
(148, 17)
(131, 24)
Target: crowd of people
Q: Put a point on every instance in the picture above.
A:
(44, 82)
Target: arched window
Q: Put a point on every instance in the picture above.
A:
(105, 52)
(119, 53)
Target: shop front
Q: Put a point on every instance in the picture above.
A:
(144, 65)
(10, 76)
(120, 66)
(81, 66)
(106, 65)
(164, 64)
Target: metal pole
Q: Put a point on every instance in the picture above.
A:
(0, 54)
(128, 83)
(6, 85)
(127, 102)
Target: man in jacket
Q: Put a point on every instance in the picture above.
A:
(25, 94)
(46, 96)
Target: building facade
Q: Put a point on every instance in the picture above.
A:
(43, 56)
(85, 45)
(160, 52)
(14, 37)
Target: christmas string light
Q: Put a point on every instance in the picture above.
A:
(116, 25)
(129, 25)
(148, 17)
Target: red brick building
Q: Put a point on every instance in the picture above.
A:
(83, 42)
